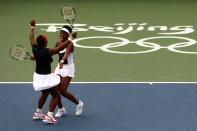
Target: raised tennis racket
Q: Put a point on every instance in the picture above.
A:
(18, 52)
(69, 14)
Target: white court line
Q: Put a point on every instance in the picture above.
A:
(110, 82)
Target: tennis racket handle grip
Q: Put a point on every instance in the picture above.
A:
(32, 58)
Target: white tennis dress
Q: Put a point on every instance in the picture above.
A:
(68, 69)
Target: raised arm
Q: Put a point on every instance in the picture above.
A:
(60, 47)
(31, 32)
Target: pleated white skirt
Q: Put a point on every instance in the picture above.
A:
(42, 82)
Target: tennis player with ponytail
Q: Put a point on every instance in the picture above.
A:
(43, 79)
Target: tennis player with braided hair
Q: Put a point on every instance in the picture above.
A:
(66, 70)
(43, 79)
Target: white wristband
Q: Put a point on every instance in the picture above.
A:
(62, 61)
(33, 27)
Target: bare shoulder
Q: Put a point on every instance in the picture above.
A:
(71, 46)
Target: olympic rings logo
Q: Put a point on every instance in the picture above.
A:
(144, 42)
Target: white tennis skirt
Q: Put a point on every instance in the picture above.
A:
(67, 70)
(42, 82)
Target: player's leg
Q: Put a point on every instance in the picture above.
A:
(49, 119)
(63, 91)
(65, 82)
(38, 115)
(61, 109)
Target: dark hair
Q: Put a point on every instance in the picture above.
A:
(68, 28)
(41, 40)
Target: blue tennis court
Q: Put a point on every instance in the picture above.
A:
(108, 107)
